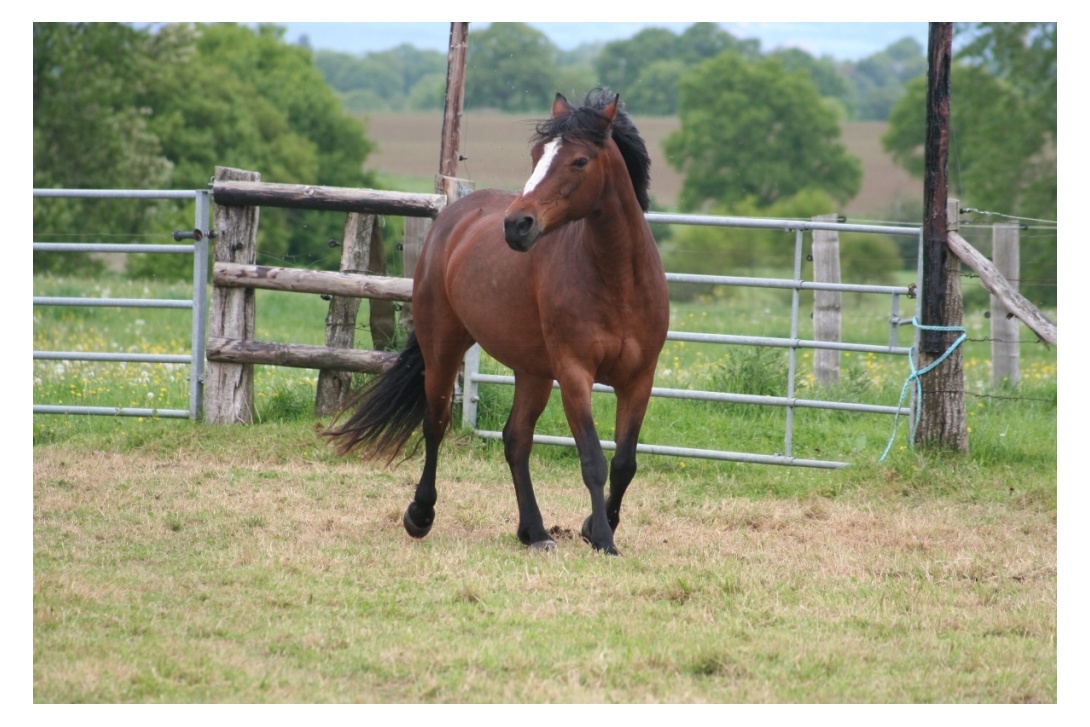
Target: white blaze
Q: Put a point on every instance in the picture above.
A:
(542, 168)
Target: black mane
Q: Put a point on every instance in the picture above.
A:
(586, 123)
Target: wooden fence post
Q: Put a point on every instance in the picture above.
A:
(826, 251)
(380, 312)
(942, 419)
(942, 405)
(340, 323)
(416, 229)
(1005, 327)
(229, 387)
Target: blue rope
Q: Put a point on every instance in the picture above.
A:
(915, 376)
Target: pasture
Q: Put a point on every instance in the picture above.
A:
(177, 562)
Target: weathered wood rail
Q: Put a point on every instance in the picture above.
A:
(322, 282)
(331, 199)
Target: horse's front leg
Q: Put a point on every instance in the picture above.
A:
(577, 408)
(531, 398)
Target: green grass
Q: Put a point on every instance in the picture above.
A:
(179, 562)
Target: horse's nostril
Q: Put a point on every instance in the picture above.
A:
(525, 225)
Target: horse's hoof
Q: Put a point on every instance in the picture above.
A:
(608, 548)
(411, 527)
(543, 546)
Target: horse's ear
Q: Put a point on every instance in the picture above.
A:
(610, 111)
(561, 105)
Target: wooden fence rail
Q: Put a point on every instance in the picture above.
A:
(322, 282)
(331, 199)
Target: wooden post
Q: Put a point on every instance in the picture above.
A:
(340, 322)
(826, 251)
(936, 146)
(942, 418)
(449, 151)
(1005, 328)
(416, 229)
(381, 312)
(229, 387)
(942, 405)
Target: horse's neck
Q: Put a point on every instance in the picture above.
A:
(619, 240)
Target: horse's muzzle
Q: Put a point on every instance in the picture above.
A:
(521, 232)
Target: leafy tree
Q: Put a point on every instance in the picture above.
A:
(90, 132)
(621, 62)
(510, 66)
(823, 73)
(646, 68)
(656, 93)
(701, 41)
(878, 80)
(381, 81)
(1002, 131)
(755, 130)
(184, 99)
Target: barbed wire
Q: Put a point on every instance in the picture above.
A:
(1000, 397)
(972, 210)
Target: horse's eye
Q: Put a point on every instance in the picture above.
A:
(580, 162)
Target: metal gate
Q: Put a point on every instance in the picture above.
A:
(473, 379)
(198, 248)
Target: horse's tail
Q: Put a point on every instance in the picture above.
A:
(387, 411)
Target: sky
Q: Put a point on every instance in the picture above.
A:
(841, 41)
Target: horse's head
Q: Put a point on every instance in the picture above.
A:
(571, 159)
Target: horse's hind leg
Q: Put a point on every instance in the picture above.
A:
(440, 373)
(631, 408)
(531, 398)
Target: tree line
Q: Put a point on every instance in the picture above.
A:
(117, 106)
(511, 66)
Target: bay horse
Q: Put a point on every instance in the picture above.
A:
(561, 281)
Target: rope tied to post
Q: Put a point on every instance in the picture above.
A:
(915, 375)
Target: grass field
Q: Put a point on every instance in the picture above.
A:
(179, 562)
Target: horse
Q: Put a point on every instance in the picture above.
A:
(562, 281)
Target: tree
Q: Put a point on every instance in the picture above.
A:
(510, 66)
(755, 130)
(822, 72)
(165, 106)
(656, 93)
(1002, 132)
(89, 129)
(646, 68)
(383, 80)
(878, 80)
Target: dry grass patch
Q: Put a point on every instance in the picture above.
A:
(196, 575)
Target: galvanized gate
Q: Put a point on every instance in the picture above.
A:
(473, 378)
(198, 248)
